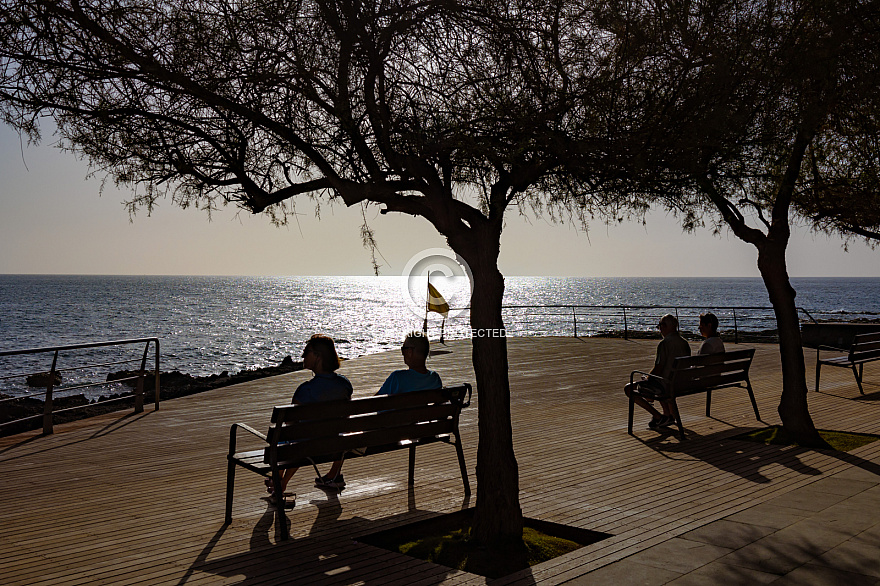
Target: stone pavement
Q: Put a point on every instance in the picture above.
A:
(827, 532)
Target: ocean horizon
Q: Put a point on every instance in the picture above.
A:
(208, 325)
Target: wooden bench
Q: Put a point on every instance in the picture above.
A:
(317, 433)
(704, 373)
(864, 348)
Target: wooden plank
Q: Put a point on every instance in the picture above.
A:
(139, 499)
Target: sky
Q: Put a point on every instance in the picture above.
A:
(53, 220)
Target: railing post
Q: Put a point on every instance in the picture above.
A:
(48, 414)
(575, 318)
(735, 329)
(156, 397)
(625, 327)
(139, 389)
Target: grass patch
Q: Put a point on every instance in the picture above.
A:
(446, 540)
(842, 441)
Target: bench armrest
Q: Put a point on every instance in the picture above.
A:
(826, 347)
(232, 435)
(633, 374)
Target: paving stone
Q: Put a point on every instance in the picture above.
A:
(817, 575)
(769, 515)
(841, 486)
(680, 555)
(727, 533)
(728, 575)
(870, 536)
(846, 516)
(853, 556)
(771, 555)
(625, 573)
(807, 499)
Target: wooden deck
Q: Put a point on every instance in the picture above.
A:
(138, 499)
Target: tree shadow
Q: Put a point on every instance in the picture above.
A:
(740, 457)
(324, 556)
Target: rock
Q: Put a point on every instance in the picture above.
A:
(41, 379)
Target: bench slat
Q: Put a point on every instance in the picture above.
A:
(695, 372)
(865, 354)
(701, 386)
(710, 359)
(336, 409)
(866, 338)
(339, 444)
(302, 430)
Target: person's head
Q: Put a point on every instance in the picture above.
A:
(708, 325)
(320, 354)
(668, 324)
(415, 348)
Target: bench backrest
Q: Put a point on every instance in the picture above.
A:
(865, 347)
(692, 374)
(333, 427)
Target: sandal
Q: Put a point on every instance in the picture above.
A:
(287, 504)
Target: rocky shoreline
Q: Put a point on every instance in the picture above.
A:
(173, 384)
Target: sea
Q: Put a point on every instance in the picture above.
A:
(209, 325)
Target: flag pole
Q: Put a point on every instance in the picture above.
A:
(427, 302)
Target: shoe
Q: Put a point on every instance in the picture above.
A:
(655, 423)
(288, 501)
(666, 421)
(326, 482)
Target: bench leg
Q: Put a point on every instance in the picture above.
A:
(412, 465)
(280, 517)
(632, 405)
(708, 402)
(230, 487)
(752, 397)
(461, 465)
(859, 377)
(677, 415)
(818, 370)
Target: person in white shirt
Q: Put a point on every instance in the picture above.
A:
(709, 330)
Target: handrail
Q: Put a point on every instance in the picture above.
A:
(48, 411)
(581, 315)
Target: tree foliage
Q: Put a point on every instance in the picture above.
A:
(764, 113)
(453, 112)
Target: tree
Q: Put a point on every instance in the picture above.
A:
(761, 112)
(456, 113)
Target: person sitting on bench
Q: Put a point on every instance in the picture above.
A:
(321, 358)
(709, 330)
(650, 389)
(417, 377)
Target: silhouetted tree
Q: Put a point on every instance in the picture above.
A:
(456, 113)
(754, 113)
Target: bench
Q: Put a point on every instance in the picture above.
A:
(864, 348)
(317, 433)
(704, 373)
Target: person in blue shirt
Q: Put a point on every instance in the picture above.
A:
(321, 358)
(416, 377)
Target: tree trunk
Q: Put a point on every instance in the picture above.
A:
(498, 517)
(792, 408)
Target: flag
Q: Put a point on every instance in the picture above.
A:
(436, 303)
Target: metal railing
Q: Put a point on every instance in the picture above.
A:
(756, 323)
(52, 378)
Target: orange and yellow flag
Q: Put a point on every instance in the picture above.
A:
(436, 303)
